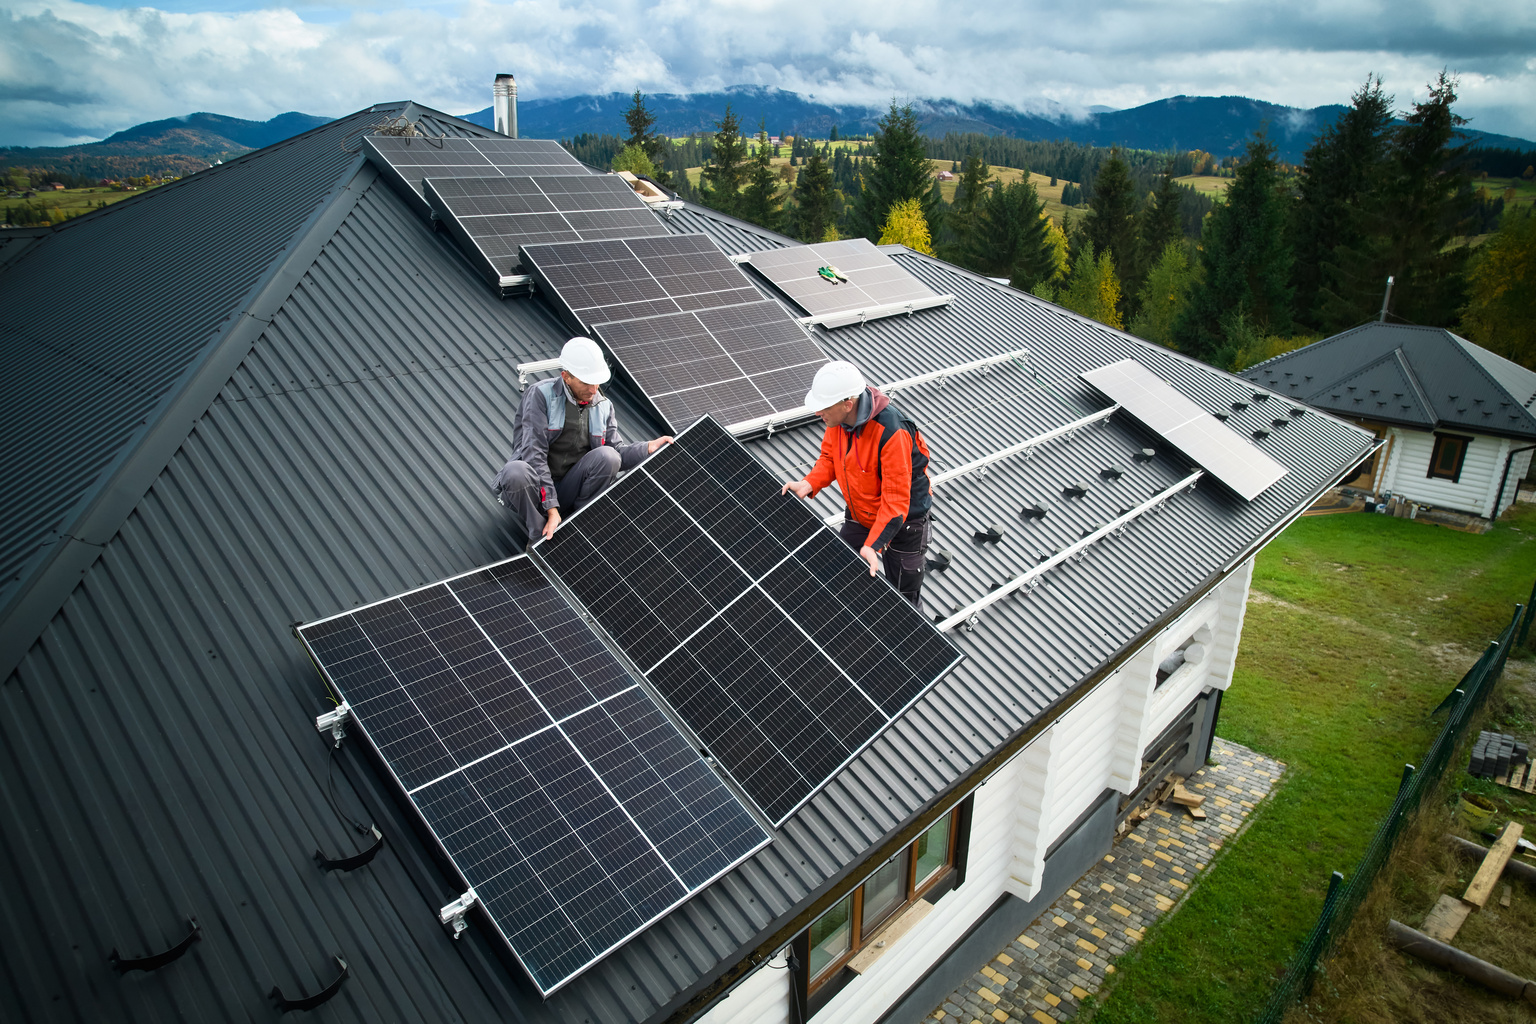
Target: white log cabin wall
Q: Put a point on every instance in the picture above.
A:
(1026, 806)
(1407, 472)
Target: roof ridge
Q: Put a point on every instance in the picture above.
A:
(52, 575)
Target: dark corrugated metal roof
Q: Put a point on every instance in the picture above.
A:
(1425, 377)
(161, 755)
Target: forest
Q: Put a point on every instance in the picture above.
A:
(1291, 253)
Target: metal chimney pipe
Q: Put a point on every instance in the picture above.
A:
(1384, 300)
(504, 105)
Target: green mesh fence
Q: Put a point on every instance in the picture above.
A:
(1345, 897)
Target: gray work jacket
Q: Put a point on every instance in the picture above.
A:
(540, 419)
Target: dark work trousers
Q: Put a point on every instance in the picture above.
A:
(904, 557)
(517, 489)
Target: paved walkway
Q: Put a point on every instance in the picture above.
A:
(1064, 956)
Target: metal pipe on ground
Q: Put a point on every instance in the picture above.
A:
(1415, 943)
(1514, 869)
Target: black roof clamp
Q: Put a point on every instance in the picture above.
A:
(284, 1004)
(357, 860)
(1036, 511)
(939, 560)
(991, 535)
(1111, 472)
(1077, 490)
(155, 961)
(1145, 455)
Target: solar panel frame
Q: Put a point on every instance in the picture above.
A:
(1209, 443)
(753, 550)
(875, 287)
(690, 821)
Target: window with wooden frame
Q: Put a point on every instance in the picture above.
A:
(845, 929)
(1446, 460)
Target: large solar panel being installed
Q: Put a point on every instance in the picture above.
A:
(684, 323)
(871, 283)
(763, 631)
(491, 217)
(564, 796)
(1212, 445)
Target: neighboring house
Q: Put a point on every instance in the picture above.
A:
(946, 175)
(1456, 419)
(295, 407)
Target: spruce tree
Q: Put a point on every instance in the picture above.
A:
(762, 197)
(1160, 223)
(970, 191)
(898, 171)
(1112, 228)
(1337, 197)
(1500, 314)
(813, 200)
(726, 170)
(641, 123)
(1011, 239)
(1244, 260)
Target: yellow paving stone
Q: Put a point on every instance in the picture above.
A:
(1256, 792)
(1091, 919)
(1160, 853)
(1150, 864)
(1109, 968)
(1086, 965)
(1164, 831)
(1100, 933)
(1040, 1016)
(1134, 878)
(1074, 894)
(989, 972)
(1053, 1000)
(1159, 810)
(1079, 992)
(1163, 902)
(1248, 763)
(1226, 817)
(1234, 789)
(1190, 829)
(1221, 801)
(1061, 922)
(1162, 842)
(999, 1015)
(1117, 908)
(1004, 959)
(1178, 870)
(1135, 935)
(1137, 838)
(1214, 846)
(987, 994)
(1078, 904)
(1181, 885)
(1200, 866)
(1246, 804)
(1175, 842)
(1109, 858)
(1028, 943)
(1090, 947)
(1106, 886)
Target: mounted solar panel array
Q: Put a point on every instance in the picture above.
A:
(407, 160)
(763, 631)
(491, 217)
(844, 282)
(1212, 445)
(568, 801)
(684, 323)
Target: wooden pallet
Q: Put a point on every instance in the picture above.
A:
(1522, 778)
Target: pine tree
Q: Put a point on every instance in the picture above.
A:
(970, 192)
(1244, 261)
(899, 171)
(762, 197)
(641, 122)
(1112, 228)
(1337, 196)
(725, 171)
(1011, 239)
(813, 200)
(907, 226)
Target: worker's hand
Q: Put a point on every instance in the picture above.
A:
(800, 488)
(651, 446)
(550, 523)
(868, 554)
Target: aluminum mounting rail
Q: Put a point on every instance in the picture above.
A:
(1013, 449)
(524, 369)
(969, 612)
(858, 316)
(800, 412)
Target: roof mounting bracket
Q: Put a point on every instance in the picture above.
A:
(541, 366)
(334, 721)
(122, 965)
(357, 860)
(452, 915)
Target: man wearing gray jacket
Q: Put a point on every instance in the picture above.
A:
(567, 443)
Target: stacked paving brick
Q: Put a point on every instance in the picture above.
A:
(1065, 955)
(1494, 754)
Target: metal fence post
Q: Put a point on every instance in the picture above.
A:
(1530, 610)
(1407, 774)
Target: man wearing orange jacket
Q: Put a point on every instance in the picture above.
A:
(880, 462)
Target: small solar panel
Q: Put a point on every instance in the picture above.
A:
(407, 160)
(685, 323)
(863, 283)
(562, 793)
(492, 217)
(757, 624)
(1212, 445)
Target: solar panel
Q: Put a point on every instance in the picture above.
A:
(491, 217)
(764, 631)
(1212, 445)
(407, 160)
(871, 283)
(562, 793)
(684, 323)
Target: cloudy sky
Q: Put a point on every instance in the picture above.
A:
(74, 72)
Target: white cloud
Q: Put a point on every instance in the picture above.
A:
(71, 71)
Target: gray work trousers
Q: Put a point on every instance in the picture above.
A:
(517, 488)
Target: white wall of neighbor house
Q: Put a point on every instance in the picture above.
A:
(1407, 472)
(1028, 804)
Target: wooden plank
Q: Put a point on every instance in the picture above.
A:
(1493, 865)
(1185, 797)
(1504, 894)
(1446, 918)
(1198, 813)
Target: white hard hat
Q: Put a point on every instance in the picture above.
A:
(582, 359)
(834, 382)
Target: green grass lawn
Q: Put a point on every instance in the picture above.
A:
(1359, 625)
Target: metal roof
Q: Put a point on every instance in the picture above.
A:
(1424, 377)
(162, 759)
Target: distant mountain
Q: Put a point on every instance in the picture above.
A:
(1216, 124)
(176, 146)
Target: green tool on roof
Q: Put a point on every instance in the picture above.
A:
(832, 274)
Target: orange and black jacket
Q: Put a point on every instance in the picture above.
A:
(881, 466)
